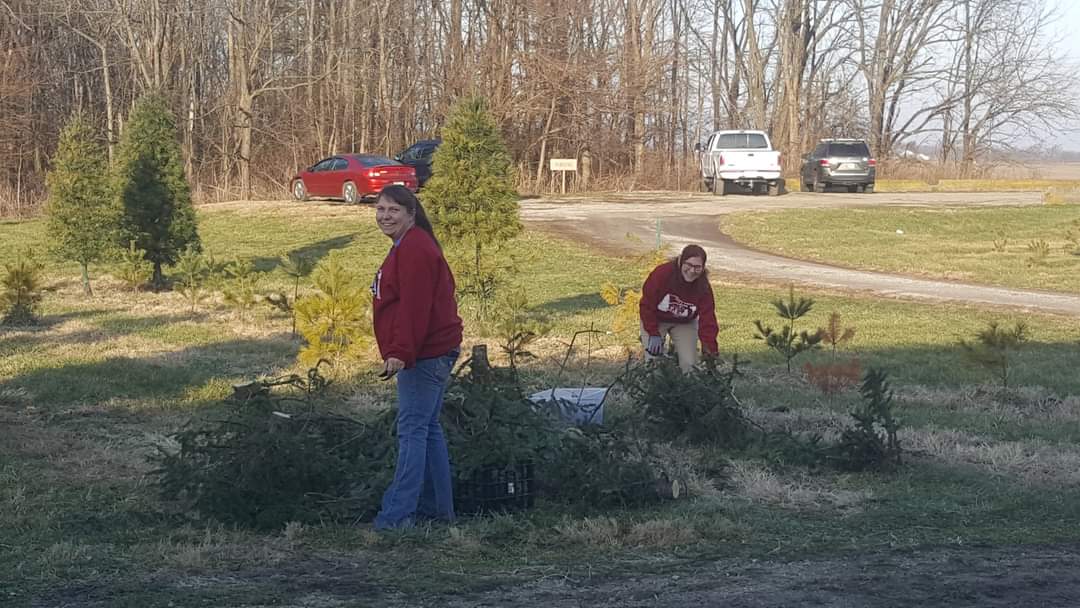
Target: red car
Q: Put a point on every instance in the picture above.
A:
(351, 177)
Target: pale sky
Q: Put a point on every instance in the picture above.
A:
(1069, 28)
(1070, 24)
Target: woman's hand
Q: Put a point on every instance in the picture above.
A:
(391, 366)
(655, 346)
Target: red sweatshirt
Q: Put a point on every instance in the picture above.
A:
(662, 303)
(413, 301)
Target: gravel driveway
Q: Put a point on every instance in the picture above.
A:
(683, 217)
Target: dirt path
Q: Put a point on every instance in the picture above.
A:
(680, 218)
(971, 577)
(952, 577)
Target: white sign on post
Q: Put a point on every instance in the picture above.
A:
(563, 165)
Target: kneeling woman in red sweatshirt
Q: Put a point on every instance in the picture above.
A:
(419, 335)
(677, 301)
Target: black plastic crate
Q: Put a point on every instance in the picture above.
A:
(495, 489)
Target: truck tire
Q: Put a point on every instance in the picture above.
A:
(869, 189)
(719, 186)
(819, 186)
(775, 188)
(803, 186)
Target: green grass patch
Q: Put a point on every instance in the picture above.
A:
(989, 246)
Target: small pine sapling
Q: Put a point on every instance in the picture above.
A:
(241, 287)
(1072, 238)
(296, 267)
(994, 348)
(1001, 243)
(133, 268)
(872, 444)
(192, 270)
(835, 334)
(335, 322)
(626, 321)
(1039, 250)
(517, 328)
(787, 341)
(21, 292)
(834, 376)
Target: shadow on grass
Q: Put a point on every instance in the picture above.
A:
(167, 376)
(314, 252)
(110, 327)
(120, 325)
(28, 337)
(46, 322)
(580, 303)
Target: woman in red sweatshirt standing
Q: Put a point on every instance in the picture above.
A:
(677, 301)
(419, 335)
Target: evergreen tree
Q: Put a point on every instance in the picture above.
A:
(787, 341)
(470, 197)
(153, 191)
(82, 214)
(336, 321)
(20, 291)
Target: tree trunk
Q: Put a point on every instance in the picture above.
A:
(85, 279)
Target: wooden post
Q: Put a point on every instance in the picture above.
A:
(480, 361)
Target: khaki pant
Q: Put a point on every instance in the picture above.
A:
(684, 336)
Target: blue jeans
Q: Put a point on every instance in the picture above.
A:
(422, 484)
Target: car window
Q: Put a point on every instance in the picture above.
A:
(339, 164)
(412, 154)
(427, 152)
(849, 149)
(323, 165)
(819, 151)
(371, 160)
(752, 141)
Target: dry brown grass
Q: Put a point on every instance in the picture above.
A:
(757, 482)
(976, 185)
(1061, 195)
(1034, 461)
(591, 531)
(662, 534)
(1013, 405)
(462, 539)
(681, 463)
(25, 201)
(608, 532)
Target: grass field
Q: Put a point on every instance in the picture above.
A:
(989, 246)
(86, 396)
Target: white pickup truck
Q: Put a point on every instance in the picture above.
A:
(745, 158)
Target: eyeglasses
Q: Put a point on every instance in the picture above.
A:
(693, 267)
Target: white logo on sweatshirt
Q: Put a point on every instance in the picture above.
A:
(376, 285)
(676, 307)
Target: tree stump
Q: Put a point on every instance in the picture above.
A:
(249, 390)
(670, 489)
(480, 365)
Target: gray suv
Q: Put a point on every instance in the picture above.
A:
(838, 162)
